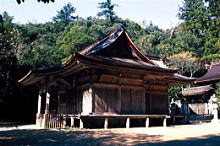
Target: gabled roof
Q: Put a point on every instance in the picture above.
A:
(213, 75)
(116, 44)
(114, 51)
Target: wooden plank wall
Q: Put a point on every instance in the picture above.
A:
(106, 100)
(132, 101)
(158, 104)
(70, 102)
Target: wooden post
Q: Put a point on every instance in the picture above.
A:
(147, 122)
(106, 123)
(47, 103)
(72, 122)
(165, 122)
(81, 124)
(39, 104)
(128, 123)
(174, 120)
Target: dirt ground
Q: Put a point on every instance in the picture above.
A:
(203, 134)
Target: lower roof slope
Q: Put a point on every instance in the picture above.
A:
(213, 75)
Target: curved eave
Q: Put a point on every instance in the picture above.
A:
(207, 80)
(178, 79)
(89, 59)
(34, 76)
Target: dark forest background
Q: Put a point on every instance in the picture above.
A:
(191, 46)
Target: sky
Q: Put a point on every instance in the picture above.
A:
(162, 13)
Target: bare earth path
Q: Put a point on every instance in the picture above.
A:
(204, 134)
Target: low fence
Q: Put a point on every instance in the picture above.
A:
(55, 121)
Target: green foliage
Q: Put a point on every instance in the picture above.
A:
(174, 92)
(107, 10)
(65, 14)
(195, 16)
(8, 43)
(75, 39)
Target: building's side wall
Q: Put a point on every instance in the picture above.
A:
(106, 100)
(128, 100)
(70, 102)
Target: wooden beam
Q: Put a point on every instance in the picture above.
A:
(65, 82)
(117, 85)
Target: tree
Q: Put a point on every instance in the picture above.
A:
(213, 35)
(195, 16)
(65, 14)
(45, 1)
(75, 40)
(8, 37)
(107, 10)
(185, 62)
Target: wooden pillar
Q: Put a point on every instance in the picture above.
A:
(81, 123)
(164, 122)
(174, 120)
(39, 104)
(47, 103)
(72, 122)
(106, 123)
(147, 122)
(128, 123)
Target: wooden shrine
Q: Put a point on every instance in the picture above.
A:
(108, 84)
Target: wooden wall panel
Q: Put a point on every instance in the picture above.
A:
(106, 100)
(100, 105)
(113, 100)
(138, 101)
(70, 102)
(133, 101)
(147, 103)
(62, 104)
(126, 100)
(158, 104)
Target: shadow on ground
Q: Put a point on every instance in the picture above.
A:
(78, 137)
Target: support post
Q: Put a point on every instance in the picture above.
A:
(72, 122)
(128, 123)
(174, 120)
(47, 103)
(106, 123)
(39, 104)
(147, 122)
(165, 122)
(81, 124)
